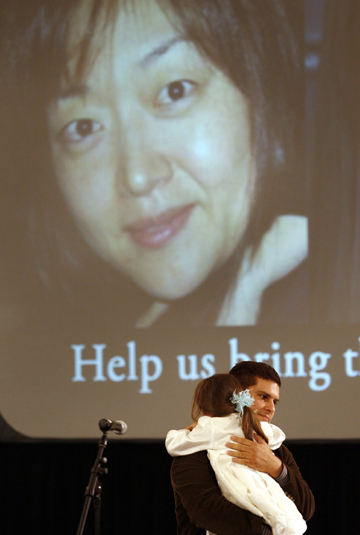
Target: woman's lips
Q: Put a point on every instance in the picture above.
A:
(156, 232)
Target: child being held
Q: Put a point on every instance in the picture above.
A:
(220, 409)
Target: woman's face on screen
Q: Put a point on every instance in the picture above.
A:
(152, 153)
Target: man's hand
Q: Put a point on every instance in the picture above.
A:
(256, 455)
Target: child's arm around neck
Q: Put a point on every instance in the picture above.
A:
(186, 441)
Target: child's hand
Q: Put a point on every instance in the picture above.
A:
(191, 427)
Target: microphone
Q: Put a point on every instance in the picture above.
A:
(118, 426)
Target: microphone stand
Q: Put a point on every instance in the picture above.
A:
(93, 490)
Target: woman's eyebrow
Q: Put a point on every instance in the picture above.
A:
(79, 90)
(161, 50)
(72, 91)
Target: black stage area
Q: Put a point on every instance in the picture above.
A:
(43, 485)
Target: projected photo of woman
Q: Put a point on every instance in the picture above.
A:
(164, 151)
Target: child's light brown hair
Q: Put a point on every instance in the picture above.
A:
(212, 397)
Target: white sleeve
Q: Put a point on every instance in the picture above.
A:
(185, 442)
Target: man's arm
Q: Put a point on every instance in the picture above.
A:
(257, 455)
(296, 488)
(199, 504)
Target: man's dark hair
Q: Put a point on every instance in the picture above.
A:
(248, 372)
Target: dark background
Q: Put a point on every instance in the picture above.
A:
(43, 485)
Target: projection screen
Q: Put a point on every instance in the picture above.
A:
(171, 206)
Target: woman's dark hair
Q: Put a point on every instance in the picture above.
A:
(254, 42)
(335, 168)
(212, 397)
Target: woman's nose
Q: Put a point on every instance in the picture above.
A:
(143, 162)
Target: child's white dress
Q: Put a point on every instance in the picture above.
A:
(249, 489)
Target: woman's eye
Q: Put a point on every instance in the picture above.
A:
(174, 92)
(80, 129)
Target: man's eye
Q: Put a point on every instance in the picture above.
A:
(80, 129)
(175, 91)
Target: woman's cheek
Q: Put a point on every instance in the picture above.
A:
(212, 147)
(83, 172)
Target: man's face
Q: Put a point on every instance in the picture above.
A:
(266, 396)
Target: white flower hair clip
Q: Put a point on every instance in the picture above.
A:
(241, 400)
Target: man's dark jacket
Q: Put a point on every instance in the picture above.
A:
(199, 505)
